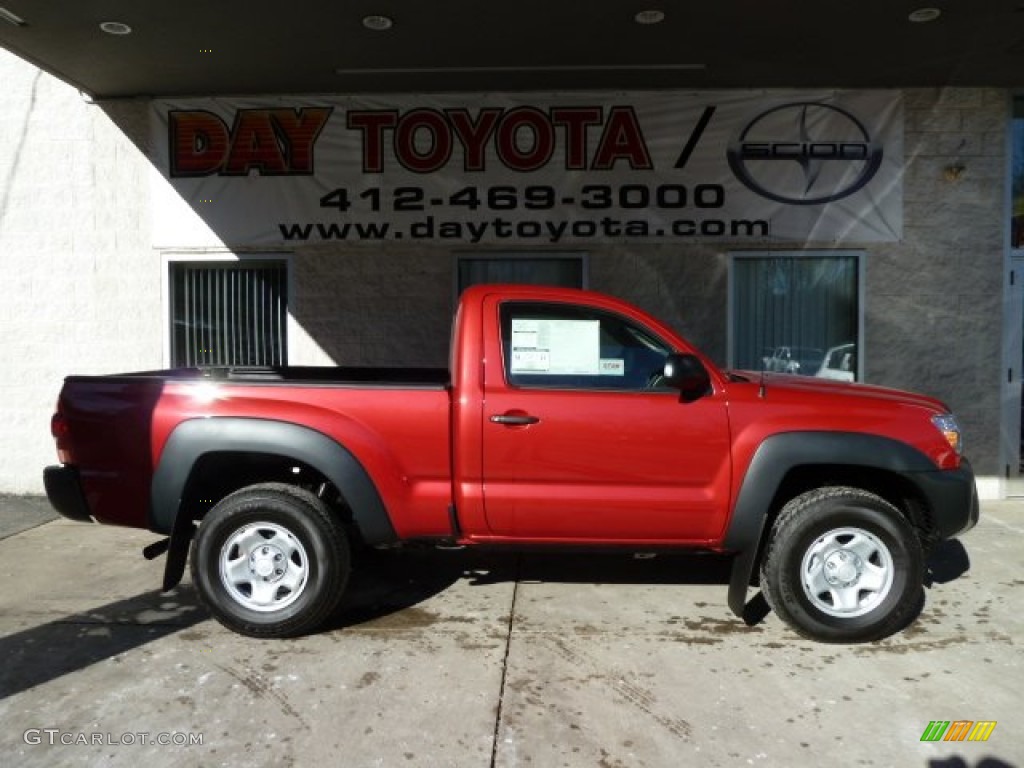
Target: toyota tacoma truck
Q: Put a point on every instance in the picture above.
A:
(566, 419)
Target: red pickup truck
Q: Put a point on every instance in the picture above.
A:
(568, 418)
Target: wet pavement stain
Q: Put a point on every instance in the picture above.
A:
(407, 618)
(900, 648)
(695, 640)
(468, 642)
(368, 679)
(399, 618)
(899, 644)
(720, 626)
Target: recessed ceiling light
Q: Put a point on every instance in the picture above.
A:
(378, 23)
(11, 18)
(922, 15)
(115, 28)
(652, 16)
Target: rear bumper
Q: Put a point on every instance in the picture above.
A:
(64, 490)
(952, 498)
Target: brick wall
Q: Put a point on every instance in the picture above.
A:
(80, 285)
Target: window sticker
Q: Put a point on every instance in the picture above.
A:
(531, 361)
(558, 347)
(612, 367)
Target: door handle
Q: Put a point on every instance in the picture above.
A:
(514, 420)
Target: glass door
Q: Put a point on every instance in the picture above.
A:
(1013, 406)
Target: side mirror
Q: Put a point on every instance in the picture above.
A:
(687, 374)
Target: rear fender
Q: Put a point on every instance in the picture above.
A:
(193, 439)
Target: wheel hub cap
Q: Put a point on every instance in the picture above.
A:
(268, 563)
(842, 568)
(847, 572)
(264, 567)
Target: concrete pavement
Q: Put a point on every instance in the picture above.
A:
(19, 513)
(452, 658)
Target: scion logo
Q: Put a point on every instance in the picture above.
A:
(805, 153)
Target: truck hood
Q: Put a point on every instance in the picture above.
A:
(786, 384)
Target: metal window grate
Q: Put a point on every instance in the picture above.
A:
(566, 271)
(228, 314)
(790, 312)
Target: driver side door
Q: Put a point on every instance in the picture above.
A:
(582, 442)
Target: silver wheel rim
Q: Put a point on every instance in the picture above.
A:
(847, 572)
(264, 567)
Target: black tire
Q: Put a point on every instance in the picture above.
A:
(270, 560)
(843, 566)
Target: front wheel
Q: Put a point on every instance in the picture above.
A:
(270, 560)
(843, 566)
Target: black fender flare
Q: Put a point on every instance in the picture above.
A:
(773, 459)
(195, 438)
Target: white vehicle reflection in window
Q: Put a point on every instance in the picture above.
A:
(840, 363)
(796, 360)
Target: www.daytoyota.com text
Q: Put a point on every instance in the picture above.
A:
(606, 213)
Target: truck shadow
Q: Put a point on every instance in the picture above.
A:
(43, 653)
(385, 583)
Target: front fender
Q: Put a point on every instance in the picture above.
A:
(771, 462)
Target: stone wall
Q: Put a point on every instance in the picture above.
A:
(934, 311)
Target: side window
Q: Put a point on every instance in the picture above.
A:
(561, 346)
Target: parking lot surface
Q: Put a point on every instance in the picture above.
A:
(456, 658)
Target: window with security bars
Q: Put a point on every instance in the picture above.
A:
(228, 313)
(797, 313)
(564, 270)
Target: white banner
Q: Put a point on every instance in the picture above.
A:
(530, 169)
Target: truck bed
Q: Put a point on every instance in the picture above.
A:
(418, 378)
(395, 421)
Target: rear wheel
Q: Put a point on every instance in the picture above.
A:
(843, 566)
(270, 560)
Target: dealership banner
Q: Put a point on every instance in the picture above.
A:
(530, 169)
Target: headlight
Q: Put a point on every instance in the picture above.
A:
(946, 424)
